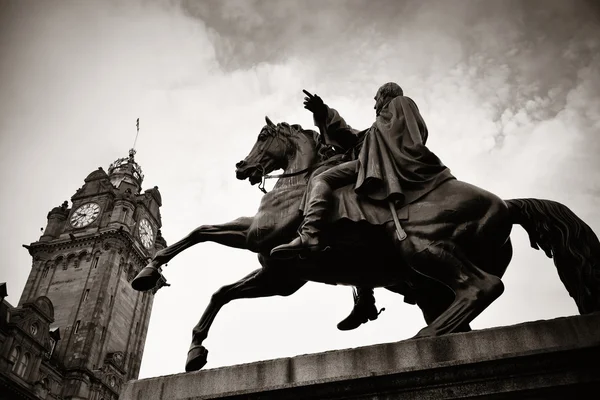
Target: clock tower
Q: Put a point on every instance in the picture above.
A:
(83, 264)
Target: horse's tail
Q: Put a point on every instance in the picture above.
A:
(562, 235)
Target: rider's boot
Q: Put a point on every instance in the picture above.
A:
(307, 240)
(364, 310)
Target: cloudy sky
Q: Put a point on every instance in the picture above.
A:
(509, 90)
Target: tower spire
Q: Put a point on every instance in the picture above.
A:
(126, 169)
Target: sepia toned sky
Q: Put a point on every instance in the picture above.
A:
(509, 90)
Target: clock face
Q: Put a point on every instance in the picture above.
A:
(146, 234)
(85, 215)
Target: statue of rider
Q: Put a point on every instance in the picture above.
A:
(393, 165)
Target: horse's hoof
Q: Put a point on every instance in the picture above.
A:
(146, 279)
(196, 358)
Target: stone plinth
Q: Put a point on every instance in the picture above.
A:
(558, 358)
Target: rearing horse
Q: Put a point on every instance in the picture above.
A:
(458, 244)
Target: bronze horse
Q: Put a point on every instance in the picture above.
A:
(458, 244)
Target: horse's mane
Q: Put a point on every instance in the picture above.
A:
(288, 130)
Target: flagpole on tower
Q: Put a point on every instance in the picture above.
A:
(132, 151)
(137, 125)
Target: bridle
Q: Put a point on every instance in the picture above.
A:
(272, 133)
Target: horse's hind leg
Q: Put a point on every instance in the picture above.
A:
(260, 283)
(435, 298)
(474, 288)
(432, 297)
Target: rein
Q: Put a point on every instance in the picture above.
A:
(261, 185)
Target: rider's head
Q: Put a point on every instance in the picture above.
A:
(385, 94)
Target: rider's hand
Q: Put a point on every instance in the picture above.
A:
(315, 104)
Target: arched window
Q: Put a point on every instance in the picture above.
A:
(95, 260)
(47, 266)
(14, 356)
(52, 345)
(71, 260)
(22, 364)
(60, 261)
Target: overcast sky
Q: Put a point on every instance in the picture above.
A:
(509, 90)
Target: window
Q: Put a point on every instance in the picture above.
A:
(76, 328)
(52, 346)
(137, 327)
(85, 294)
(22, 364)
(95, 262)
(14, 356)
(45, 272)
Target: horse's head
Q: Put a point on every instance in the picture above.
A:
(273, 149)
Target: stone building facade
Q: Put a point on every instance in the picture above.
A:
(79, 329)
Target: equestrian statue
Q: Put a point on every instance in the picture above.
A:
(377, 208)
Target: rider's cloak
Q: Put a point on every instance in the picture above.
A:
(394, 163)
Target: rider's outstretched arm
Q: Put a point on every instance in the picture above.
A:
(339, 130)
(331, 125)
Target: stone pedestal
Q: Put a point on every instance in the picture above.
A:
(558, 358)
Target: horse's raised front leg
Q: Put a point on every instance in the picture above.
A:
(232, 234)
(260, 283)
